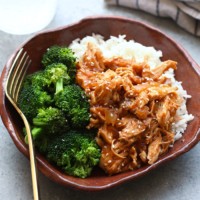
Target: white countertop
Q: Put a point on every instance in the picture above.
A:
(178, 179)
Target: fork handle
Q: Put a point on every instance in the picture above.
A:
(32, 161)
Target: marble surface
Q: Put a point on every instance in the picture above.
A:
(178, 179)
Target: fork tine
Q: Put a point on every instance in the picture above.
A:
(12, 70)
(19, 77)
(17, 73)
(22, 79)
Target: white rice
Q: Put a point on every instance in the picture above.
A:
(119, 46)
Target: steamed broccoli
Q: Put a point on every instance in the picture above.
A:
(39, 80)
(49, 121)
(58, 54)
(74, 103)
(58, 111)
(57, 75)
(37, 89)
(76, 153)
(32, 97)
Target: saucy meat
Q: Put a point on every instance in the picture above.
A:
(132, 106)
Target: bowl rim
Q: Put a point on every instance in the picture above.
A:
(42, 165)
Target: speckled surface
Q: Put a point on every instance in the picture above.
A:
(178, 179)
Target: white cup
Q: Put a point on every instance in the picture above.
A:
(26, 16)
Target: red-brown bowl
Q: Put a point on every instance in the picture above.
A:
(188, 72)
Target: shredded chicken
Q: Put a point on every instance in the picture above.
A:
(132, 106)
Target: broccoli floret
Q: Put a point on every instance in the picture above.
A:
(80, 117)
(57, 75)
(74, 103)
(49, 121)
(38, 79)
(76, 153)
(59, 54)
(32, 97)
(40, 142)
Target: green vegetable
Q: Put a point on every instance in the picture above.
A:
(76, 153)
(58, 112)
(32, 96)
(57, 76)
(74, 103)
(49, 121)
(58, 54)
(39, 80)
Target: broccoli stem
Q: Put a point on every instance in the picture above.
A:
(38, 122)
(59, 85)
(36, 131)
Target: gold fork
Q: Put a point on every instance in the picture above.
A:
(15, 79)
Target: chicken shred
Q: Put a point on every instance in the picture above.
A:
(132, 106)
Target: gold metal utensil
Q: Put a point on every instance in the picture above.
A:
(14, 82)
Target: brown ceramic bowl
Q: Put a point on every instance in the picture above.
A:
(188, 72)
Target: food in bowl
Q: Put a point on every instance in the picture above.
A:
(187, 72)
(136, 103)
(137, 108)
